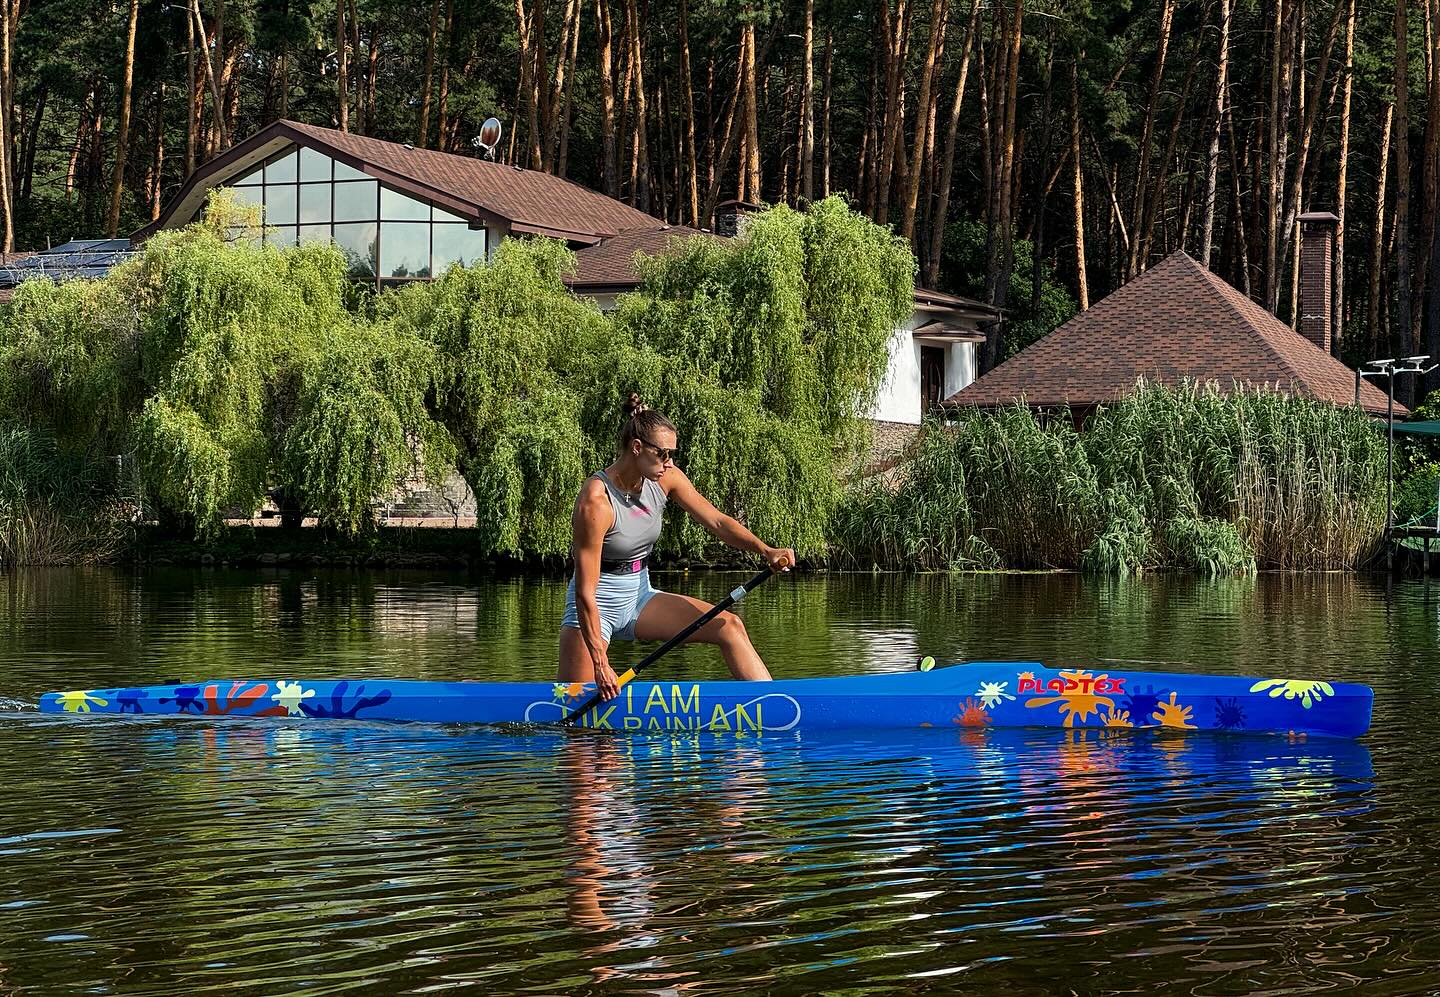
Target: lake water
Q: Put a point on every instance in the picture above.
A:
(199, 856)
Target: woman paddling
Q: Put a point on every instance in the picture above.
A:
(616, 522)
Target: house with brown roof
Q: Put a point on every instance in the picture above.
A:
(1178, 321)
(402, 214)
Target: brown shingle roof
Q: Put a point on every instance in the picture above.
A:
(531, 201)
(1176, 321)
(610, 265)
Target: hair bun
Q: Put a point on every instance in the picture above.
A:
(633, 405)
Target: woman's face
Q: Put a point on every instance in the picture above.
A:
(654, 453)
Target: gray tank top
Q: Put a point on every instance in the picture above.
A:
(638, 519)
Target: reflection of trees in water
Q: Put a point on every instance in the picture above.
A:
(115, 626)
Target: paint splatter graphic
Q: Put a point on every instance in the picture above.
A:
(1075, 700)
(991, 693)
(339, 709)
(1229, 714)
(1171, 714)
(1116, 718)
(290, 695)
(1309, 693)
(79, 701)
(241, 699)
(972, 714)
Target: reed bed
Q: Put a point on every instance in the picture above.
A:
(1170, 477)
(54, 508)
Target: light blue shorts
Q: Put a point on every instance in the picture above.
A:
(620, 599)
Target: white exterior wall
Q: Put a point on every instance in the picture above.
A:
(899, 397)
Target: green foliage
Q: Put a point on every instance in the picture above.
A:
(1169, 477)
(228, 368)
(55, 507)
(765, 351)
(1028, 318)
(510, 345)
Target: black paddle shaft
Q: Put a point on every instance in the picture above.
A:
(735, 596)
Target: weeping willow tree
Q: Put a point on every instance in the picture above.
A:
(510, 342)
(766, 351)
(1182, 477)
(226, 368)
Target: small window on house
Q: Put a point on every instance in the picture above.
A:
(454, 244)
(313, 166)
(357, 201)
(357, 242)
(280, 206)
(343, 172)
(314, 203)
(282, 169)
(404, 249)
(395, 206)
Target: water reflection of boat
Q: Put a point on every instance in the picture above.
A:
(975, 696)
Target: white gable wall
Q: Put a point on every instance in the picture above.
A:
(899, 397)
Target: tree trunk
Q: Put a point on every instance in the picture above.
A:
(159, 159)
(342, 84)
(892, 124)
(422, 134)
(1142, 173)
(692, 167)
(1212, 160)
(1425, 263)
(1307, 125)
(1377, 251)
(733, 128)
(998, 276)
(1162, 173)
(807, 108)
(1282, 78)
(825, 118)
(284, 108)
(639, 149)
(751, 161)
(608, 159)
(122, 134)
(209, 67)
(1338, 269)
(195, 104)
(27, 165)
(372, 75)
(563, 156)
(1082, 283)
(1404, 337)
(559, 92)
(442, 101)
(939, 15)
(947, 168)
(7, 198)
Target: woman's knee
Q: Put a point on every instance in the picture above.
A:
(729, 628)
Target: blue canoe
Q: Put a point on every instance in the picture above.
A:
(972, 695)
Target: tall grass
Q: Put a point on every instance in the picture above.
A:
(55, 508)
(1182, 477)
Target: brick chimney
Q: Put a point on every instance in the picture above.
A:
(1317, 254)
(728, 215)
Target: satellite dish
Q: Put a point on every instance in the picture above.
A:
(489, 136)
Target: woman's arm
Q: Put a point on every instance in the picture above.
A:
(592, 517)
(725, 528)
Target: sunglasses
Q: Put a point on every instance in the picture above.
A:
(663, 454)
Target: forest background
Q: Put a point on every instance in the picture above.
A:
(1035, 156)
(1081, 139)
